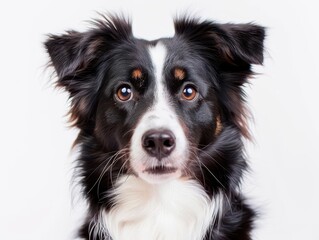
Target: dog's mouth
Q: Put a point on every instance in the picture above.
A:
(158, 170)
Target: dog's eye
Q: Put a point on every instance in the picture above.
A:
(189, 93)
(124, 93)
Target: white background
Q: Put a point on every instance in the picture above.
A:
(35, 160)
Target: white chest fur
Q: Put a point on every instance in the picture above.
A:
(178, 209)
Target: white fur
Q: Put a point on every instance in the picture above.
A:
(175, 210)
(159, 116)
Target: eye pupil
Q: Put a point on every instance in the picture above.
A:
(124, 93)
(189, 93)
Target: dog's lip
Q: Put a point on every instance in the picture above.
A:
(160, 170)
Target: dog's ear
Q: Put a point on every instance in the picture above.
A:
(72, 53)
(77, 57)
(234, 44)
(240, 43)
(239, 46)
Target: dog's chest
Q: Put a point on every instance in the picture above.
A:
(178, 210)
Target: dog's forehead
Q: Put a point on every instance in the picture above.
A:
(170, 60)
(158, 56)
(176, 58)
(176, 50)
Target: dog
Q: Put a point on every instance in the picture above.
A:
(161, 127)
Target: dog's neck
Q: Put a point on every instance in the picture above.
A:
(178, 209)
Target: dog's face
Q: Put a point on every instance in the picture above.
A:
(157, 104)
(160, 98)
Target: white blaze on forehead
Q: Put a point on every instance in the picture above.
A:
(158, 55)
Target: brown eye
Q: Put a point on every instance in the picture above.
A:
(189, 93)
(124, 93)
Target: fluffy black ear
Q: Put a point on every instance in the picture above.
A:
(76, 58)
(241, 42)
(236, 44)
(65, 52)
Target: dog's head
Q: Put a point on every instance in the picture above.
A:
(162, 105)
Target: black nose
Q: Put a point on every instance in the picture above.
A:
(158, 143)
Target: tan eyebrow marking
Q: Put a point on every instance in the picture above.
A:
(179, 74)
(137, 73)
(219, 126)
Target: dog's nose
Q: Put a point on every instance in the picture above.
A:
(158, 143)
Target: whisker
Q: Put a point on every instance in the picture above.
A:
(109, 162)
(200, 167)
(212, 174)
(129, 131)
(211, 157)
(201, 163)
(122, 167)
(111, 167)
(115, 152)
(124, 151)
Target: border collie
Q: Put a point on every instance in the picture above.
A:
(161, 126)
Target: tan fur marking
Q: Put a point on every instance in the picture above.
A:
(219, 126)
(137, 74)
(179, 73)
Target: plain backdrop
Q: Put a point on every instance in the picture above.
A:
(35, 160)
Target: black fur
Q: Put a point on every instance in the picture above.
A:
(217, 59)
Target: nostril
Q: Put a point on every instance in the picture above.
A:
(149, 143)
(168, 143)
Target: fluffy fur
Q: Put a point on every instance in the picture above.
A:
(161, 127)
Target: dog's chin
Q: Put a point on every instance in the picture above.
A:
(160, 174)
